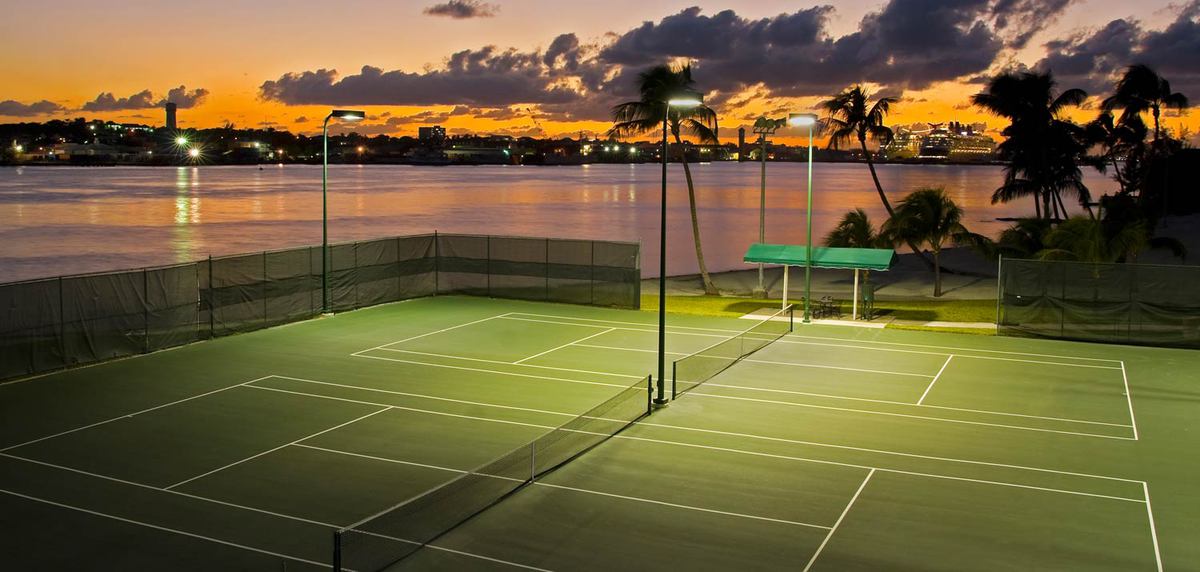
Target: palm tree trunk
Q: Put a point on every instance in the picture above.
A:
(862, 141)
(1037, 204)
(1155, 109)
(1061, 205)
(709, 287)
(937, 276)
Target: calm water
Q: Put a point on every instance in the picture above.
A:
(65, 220)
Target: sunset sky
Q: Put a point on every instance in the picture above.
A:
(492, 66)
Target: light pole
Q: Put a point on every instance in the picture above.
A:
(810, 120)
(344, 115)
(763, 127)
(661, 399)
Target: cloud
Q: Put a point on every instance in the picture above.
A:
(301, 119)
(1093, 60)
(146, 99)
(463, 9)
(14, 108)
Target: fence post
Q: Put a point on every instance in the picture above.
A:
(398, 266)
(489, 265)
(999, 288)
(264, 288)
(547, 261)
(146, 311)
(437, 264)
(212, 310)
(62, 324)
(355, 275)
(592, 276)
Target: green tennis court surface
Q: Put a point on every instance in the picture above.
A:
(830, 449)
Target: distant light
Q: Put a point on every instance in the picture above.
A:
(20, 149)
(684, 102)
(802, 119)
(361, 148)
(193, 152)
(92, 127)
(181, 141)
(256, 144)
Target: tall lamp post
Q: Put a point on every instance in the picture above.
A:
(661, 399)
(344, 115)
(809, 120)
(763, 127)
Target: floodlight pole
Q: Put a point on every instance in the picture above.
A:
(325, 214)
(808, 240)
(661, 399)
(762, 208)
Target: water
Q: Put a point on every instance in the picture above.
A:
(65, 220)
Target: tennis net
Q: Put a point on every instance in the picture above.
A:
(701, 366)
(396, 533)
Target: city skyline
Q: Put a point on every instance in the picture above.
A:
(496, 67)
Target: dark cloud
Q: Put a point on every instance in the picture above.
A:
(146, 99)
(463, 9)
(1093, 60)
(906, 45)
(301, 119)
(14, 108)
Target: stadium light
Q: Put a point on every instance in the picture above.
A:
(181, 141)
(682, 103)
(344, 115)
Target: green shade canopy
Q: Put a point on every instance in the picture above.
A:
(823, 256)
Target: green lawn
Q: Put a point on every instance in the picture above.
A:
(831, 449)
(918, 310)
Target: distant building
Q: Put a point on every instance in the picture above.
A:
(741, 152)
(435, 134)
(171, 124)
(940, 142)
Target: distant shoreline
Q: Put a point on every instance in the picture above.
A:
(484, 164)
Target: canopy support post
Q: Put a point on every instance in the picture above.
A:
(854, 311)
(785, 285)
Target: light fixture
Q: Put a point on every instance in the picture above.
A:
(802, 119)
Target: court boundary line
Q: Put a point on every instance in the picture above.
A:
(272, 450)
(498, 362)
(1129, 400)
(463, 325)
(1153, 530)
(566, 345)
(630, 376)
(846, 510)
(771, 362)
(752, 436)
(872, 348)
(826, 338)
(923, 417)
(868, 411)
(574, 489)
(330, 526)
(128, 415)
(164, 528)
(935, 378)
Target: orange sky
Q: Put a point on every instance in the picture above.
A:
(69, 51)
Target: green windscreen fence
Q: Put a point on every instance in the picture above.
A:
(1119, 303)
(61, 322)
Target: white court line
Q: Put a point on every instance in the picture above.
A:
(127, 415)
(165, 529)
(568, 344)
(328, 525)
(953, 349)
(464, 368)
(579, 490)
(984, 423)
(500, 362)
(935, 378)
(909, 404)
(1129, 399)
(1153, 531)
(922, 417)
(273, 449)
(778, 439)
(435, 332)
(771, 362)
(839, 520)
(873, 348)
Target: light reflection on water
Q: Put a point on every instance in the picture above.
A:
(61, 220)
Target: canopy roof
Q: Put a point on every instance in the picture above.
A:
(823, 256)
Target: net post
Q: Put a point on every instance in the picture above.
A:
(674, 374)
(212, 310)
(532, 460)
(337, 551)
(650, 394)
(791, 318)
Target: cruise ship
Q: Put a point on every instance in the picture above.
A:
(941, 142)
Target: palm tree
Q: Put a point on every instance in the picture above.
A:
(1119, 140)
(657, 86)
(1141, 89)
(1042, 148)
(856, 231)
(929, 216)
(851, 118)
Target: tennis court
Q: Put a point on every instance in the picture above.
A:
(829, 449)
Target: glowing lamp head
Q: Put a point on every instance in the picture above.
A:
(181, 141)
(348, 114)
(802, 119)
(685, 102)
(193, 152)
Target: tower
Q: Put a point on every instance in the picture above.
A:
(170, 116)
(741, 143)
